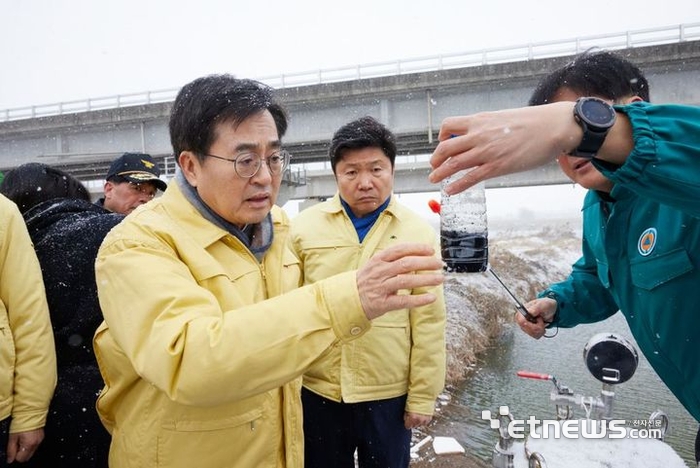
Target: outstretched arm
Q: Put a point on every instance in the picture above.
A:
(492, 144)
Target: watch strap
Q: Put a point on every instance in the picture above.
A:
(590, 143)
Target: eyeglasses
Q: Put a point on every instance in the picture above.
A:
(247, 165)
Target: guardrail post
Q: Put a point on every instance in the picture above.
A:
(429, 105)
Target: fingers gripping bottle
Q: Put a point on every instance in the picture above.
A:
(463, 228)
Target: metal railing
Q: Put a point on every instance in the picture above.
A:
(539, 50)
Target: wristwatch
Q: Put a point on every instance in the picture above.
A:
(595, 117)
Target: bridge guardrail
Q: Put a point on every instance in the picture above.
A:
(538, 50)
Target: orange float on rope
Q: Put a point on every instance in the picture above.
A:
(434, 206)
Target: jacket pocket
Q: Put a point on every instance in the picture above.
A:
(291, 272)
(649, 273)
(243, 440)
(385, 353)
(325, 243)
(216, 424)
(204, 273)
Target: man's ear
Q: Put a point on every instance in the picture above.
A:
(631, 99)
(190, 165)
(107, 190)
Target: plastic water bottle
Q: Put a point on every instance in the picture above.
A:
(463, 229)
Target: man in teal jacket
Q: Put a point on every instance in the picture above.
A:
(641, 235)
(645, 250)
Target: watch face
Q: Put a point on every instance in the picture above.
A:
(597, 112)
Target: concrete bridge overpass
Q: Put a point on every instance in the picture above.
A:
(411, 97)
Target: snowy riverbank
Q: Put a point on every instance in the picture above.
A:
(527, 257)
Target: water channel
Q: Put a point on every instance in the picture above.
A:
(494, 383)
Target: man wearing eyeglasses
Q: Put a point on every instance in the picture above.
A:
(133, 179)
(206, 330)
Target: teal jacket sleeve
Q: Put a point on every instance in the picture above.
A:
(665, 162)
(581, 298)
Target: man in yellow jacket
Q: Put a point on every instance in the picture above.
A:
(206, 332)
(368, 394)
(27, 352)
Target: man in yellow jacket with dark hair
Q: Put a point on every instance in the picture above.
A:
(206, 332)
(368, 394)
(27, 353)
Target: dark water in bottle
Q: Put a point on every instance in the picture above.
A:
(464, 252)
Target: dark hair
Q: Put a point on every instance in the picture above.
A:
(365, 132)
(594, 73)
(208, 101)
(32, 183)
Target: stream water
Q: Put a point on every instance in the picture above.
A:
(495, 383)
